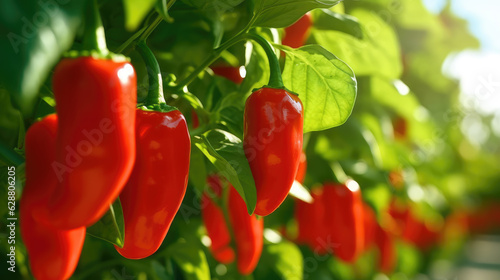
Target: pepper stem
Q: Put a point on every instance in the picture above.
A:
(94, 38)
(155, 91)
(275, 80)
(155, 99)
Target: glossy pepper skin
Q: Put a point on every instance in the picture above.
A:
(214, 221)
(229, 72)
(96, 102)
(301, 171)
(157, 185)
(344, 219)
(53, 253)
(297, 33)
(272, 140)
(248, 230)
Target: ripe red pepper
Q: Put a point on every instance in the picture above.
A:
(370, 226)
(247, 229)
(53, 253)
(96, 102)
(344, 219)
(311, 222)
(214, 221)
(157, 185)
(272, 141)
(297, 33)
(248, 233)
(301, 171)
(229, 72)
(387, 250)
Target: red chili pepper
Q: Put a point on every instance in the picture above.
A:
(247, 229)
(370, 226)
(248, 233)
(158, 181)
(387, 251)
(301, 171)
(215, 224)
(229, 72)
(96, 102)
(344, 219)
(311, 224)
(53, 253)
(273, 143)
(297, 33)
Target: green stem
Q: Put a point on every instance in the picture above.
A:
(275, 80)
(94, 37)
(9, 156)
(155, 92)
(143, 33)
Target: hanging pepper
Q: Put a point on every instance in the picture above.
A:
(248, 233)
(297, 33)
(344, 219)
(247, 229)
(311, 224)
(95, 103)
(213, 218)
(229, 72)
(157, 185)
(385, 235)
(272, 137)
(53, 253)
(158, 182)
(369, 227)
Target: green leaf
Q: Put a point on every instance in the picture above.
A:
(136, 11)
(191, 259)
(282, 260)
(225, 152)
(111, 226)
(36, 34)
(197, 169)
(325, 19)
(378, 52)
(282, 13)
(257, 68)
(325, 84)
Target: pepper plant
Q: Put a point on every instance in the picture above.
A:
(235, 139)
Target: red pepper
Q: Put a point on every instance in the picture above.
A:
(387, 250)
(248, 233)
(247, 229)
(344, 219)
(214, 221)
(311, 222)
(273, 143)
(96, 102)
(158, 181)
(301, 171)
(229, 72)
(297, 33)
(370, 226)
(53, 253)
